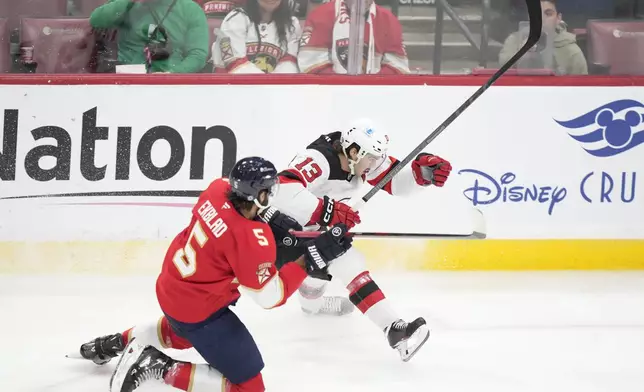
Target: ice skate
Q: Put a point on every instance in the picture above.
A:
(333, 306)
(407, 338)
(102, 350)
(139, 364)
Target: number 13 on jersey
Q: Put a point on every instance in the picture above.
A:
(309, 169)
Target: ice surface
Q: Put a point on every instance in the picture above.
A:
(518, 332)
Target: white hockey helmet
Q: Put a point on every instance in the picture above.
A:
(370, 140)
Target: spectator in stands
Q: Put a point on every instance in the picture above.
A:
(72, 9)
(262, 37)
(568, 57)
(324, 47)
(167, 35)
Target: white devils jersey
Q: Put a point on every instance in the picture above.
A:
(317, 172)
(244, 47)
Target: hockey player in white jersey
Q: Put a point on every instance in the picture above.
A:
(315, 189)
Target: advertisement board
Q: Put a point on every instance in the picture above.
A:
(124, 163)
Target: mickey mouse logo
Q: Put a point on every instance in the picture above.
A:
(610, 129)
(618, 132)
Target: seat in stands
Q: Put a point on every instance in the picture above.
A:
(86, 7)
(616, 46)
(106, 39)
(5, 57)
(16, 9)
(59, 45)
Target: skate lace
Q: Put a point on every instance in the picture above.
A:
(149, 374)
(108, 345)
(333, 304)
(399, 325)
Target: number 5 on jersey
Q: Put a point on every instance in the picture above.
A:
(261, 239)
(309, 169)
(186, 259)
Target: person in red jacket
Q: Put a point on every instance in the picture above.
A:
(229, 248)
(324, 46)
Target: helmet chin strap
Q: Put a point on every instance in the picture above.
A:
(352, 166)
(260, 206)
(352, 163)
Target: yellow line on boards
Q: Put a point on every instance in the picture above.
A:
(507, 254)
(146, 256)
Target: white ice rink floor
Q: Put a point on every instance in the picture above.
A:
(519, 332)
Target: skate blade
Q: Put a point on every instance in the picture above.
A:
(75, 355)
(131, 353)
(308, 313)
(410, 347)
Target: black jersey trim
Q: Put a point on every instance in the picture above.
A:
(289, 174)
(324, 145)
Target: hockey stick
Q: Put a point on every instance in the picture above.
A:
(479, 232)
(472, 236)
(534, 13)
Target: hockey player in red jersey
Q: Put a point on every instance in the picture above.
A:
(324, 46)
(331, 170)
(224, 251)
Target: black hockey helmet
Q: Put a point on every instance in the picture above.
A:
(251, 176)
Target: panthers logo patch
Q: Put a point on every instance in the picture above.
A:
(342, 51)
(265, 57)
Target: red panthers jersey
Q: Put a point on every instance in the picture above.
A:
(218, 255)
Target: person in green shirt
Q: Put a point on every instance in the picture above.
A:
(136, 21)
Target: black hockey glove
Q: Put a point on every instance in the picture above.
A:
(289, 247)
(327, 247)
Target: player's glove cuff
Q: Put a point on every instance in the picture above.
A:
(289, 247)
(429, 169)
(327, 247)
(323, 214)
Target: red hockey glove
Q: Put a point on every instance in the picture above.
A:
(429, 169)
(330, 212)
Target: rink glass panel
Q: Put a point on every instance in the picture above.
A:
(441, 37)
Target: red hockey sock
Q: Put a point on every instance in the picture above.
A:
(203, 378)
(156, 334)
(169, 338)
(127, 336)
(364, 292)
(181, 375)
(255, 384)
